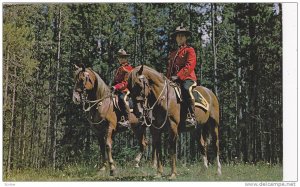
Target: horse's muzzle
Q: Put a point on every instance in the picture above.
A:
(76, 98)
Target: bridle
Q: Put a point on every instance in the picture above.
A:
(91, 103)
(146, 108)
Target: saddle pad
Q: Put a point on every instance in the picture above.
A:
(200, 100)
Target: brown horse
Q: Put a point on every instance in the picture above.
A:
(97, 101)
(154, 97)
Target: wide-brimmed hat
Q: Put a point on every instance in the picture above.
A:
(122, 52)
(181, 29)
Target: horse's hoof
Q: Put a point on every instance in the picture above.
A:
(112, 172)
(219, 172)
(172, 177)
(157, 176)
(103, 168)
(137, 165)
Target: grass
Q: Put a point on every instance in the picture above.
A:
(197, 172)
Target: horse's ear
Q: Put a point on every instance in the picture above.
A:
(76, 67)
(141, 70)
(80, 67)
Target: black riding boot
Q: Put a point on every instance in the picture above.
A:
(191, 120)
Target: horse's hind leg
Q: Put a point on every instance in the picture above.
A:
(215, 138)
(204, 144)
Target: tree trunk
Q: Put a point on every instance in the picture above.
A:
(46, 150)
(192, 147)
(6, 81)
(253, 84)
(214, 48)
(21, 139)
(11, 147)
(55, 121)
(5, 99)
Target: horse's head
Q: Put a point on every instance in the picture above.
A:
(139, 86)
(83, 82)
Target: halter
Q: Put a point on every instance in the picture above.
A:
(147, 110)
(92, 103)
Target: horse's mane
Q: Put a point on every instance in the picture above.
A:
(102, 88)
(147, 71)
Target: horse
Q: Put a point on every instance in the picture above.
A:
(153, 96)
(97, 101)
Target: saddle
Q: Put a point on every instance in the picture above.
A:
(200, 101)
(127, 99)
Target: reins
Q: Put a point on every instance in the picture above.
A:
(99, 101)
(154, 104)
(94, 103)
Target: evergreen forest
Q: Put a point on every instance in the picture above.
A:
(239, 57)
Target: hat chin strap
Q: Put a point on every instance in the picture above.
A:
(125, 62)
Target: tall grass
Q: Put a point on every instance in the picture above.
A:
(196, 172)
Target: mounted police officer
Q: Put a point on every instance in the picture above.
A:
(181, 69)
(120, 85)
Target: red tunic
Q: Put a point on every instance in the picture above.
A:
(121, 77)
(182, 63)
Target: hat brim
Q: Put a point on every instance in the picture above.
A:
(119, 55)
(187, 33)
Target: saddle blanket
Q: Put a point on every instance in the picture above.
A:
(200, 101)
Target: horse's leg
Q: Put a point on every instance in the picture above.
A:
(142, 142)
(102, 151)
(215, 138)
(172, 142)
(204, 145)
(156, 140)
(154, 158)
(109, 151)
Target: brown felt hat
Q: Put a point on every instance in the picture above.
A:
(181, 29)
(122, 52)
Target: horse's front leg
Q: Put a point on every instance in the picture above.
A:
(109, 150)
(172, 142)
(154, 158)
(156, 140)
(103, 160)
(140, 132)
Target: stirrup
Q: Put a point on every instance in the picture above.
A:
(124, 122)
(190, 121)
